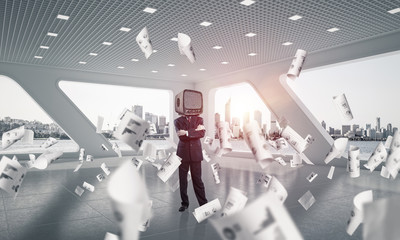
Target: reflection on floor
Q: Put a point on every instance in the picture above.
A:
(47, 208)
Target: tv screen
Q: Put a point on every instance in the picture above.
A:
(189, 102)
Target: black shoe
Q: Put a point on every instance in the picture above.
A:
(182, 208)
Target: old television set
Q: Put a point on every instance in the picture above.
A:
(189, 102)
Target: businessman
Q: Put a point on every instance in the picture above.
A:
(189, 130)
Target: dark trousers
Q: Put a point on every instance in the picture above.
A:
(198, 185)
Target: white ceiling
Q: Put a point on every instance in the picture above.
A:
(25, 23)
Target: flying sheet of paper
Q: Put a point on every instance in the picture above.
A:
(235, 202)
(81, 154)
(12, 136)
(89, 158)
(132, 130)
(104, 147)
(281, 144)
(297, 64)
(207, 210)
(78, 167)
(331, 171)
(99, 125)
(28, 137)
(215, 169)
(205, 156)
(384, 172)
(381, 219)
(312, 176)
(274, 186)
(356, 215)
(169, 167)
(47, 158)
(49, 142)
(105, 169)
(88, 186)
(343, 107)
(137, 162)
(337, 149)
(111, 236)
(378, 156)
(307, 200)
(162, 154)
(146, 224)
(353, 163)
(208, 140)
(149, 151)
(281, 161)
(264, 218)
(295, 140)
(157, 165)
(393, 163)
(296, 160)
(388, 141)
(129, 198)
(11, 175)
(395, 144)
(79, 191)
(224, 134)
(185, 47)
(144, 42)
(259, 147)
(116, 149)
(100, 177)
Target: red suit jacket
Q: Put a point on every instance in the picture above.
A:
(189, 147)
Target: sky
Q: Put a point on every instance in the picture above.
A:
(371, 86)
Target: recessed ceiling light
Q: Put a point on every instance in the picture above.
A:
(333, 29)
(107, 43)
(149, 10)
(217, 47)
(224, 62)
(205, 24)
(295, 17)
(52, 34)
(287, 43)
(62, 17)
(202, 69)
(120, 67)
(184, 75)
(154, 71)
(38, 57)
(82, 62)
(93, 54)
(44, 47)
(393, 11)
(171, 65)
(252, 54)
(125, 29)
(155, 50)
(247, 2)
(174, 39)
(250, 35)
(135, 60)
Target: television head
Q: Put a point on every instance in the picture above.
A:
(189, 102)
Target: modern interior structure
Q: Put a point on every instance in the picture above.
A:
(43, 43)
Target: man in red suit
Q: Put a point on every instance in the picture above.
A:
(190, 129)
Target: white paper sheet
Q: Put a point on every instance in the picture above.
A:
(111, 236)
(378, 156)
(343, 107)
(337, 149)
(281, 161)
(169, 167)
(215, 169)
(11, 175)
(353, 163)
(144, 42)
(208, 140)
(88, 186)
(129, 200)
(311, 176)
(137, 162)
(99, 126)
(274, 186)
(235, 202)
(224, 134)
(100, 177)
(132, 130)
(388, 141)
(149, 151)
(185, 47)
(205, 156)
(393, 163)
(384, 172)
(356, 216)
(296, 160)
(89, 158)
(395, 144)
(49, 142)
(162, 154)
(331, 171)
(281, 144)
(116, 149)
(104, 147)
(81, 154)
(264, 218)
(79, 191)
(12, 136)
(207, 210)
(105, 169)
(307, 200)
(47, 158)
(28, 137)
(297, 64)
(295, 140)
(78, 167)
(256, 142)
(146, 224)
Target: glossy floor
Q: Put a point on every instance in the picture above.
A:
(48, 208)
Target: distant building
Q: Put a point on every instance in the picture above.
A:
(162, 123)
(368, 126)
(331, 131)
(323, 123)
(337, 132)
(228, 111)
(389, 129)
(217, 118)
(138, 110)
(354, 127)
(345, 129)
(394, 130)
(148, 117)
(258, 117)
(236, 131)
(246, 118)
(378, 124)
(235, 121)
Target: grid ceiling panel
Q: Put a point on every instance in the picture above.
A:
(24, 26)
